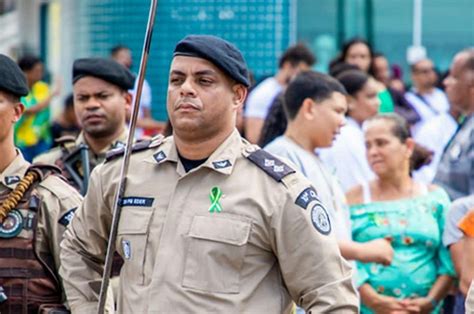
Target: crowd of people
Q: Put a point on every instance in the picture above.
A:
(356, 170)
(392, 163)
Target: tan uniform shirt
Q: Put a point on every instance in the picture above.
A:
(58, 202)
(470, 300)
(56, 153)
(258, 253)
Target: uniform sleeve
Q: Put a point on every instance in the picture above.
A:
(445, 264)
(83, 250)
(317, 277)
(56, 205)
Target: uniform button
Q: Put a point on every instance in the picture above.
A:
(251, 149)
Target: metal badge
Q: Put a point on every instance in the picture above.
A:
(12, 225)
(127, 250)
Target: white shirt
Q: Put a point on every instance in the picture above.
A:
(434, 135)
(145, 103)
(347, 156)
(326, 185)
(261, 98)
(438, 103)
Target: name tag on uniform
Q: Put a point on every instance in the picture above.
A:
(137, 201)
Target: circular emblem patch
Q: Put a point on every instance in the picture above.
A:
(12, 225)
(320, 219)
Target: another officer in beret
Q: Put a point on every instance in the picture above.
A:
(101, 100)
(210, 223)
(36, 205)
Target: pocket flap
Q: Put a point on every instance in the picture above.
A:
(135, 220)
(231, 230)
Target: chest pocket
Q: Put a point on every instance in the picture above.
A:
(215, 253)
(132, 239)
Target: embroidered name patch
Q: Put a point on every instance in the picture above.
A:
(307, 196)
(137, 201)
(67, 217)
(320, 219)
(12, 180)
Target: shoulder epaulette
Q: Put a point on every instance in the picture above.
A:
(44, 170)
(65, 139)
(137, 147)
(273, 166)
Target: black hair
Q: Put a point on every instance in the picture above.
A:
(69, 101)
(421, 156)
(28, 62)
(312, 85)
(345, 49)
(353, 80)
(296, 54)
(275, 122)
(11, 97)
(116, 49)
(337, 67)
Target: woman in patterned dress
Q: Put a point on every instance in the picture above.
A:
(408, 214)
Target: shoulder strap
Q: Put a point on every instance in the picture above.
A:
(270, 164)
(34, 174)
(139, 146)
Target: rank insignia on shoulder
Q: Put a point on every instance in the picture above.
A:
(307, 196)
(67, 217)
(270, 164)
(221, 164)
(159, 156)
(12, 180)
(320, 219)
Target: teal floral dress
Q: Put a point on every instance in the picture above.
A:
(415, 227)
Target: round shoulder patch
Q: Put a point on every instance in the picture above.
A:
(320, 219)
(12, 225)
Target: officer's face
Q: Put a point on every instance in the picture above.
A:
(386, 154)
(327, 118)
(10, 112)
(202, 101)
(100, 106)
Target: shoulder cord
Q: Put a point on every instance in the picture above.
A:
(17, 194)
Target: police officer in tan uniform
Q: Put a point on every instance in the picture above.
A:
(101, 100)
(210, 223)
(36, 205)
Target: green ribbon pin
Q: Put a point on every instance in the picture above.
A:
(215, 196)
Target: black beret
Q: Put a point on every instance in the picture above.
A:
(221, 53)
(12, 78)
(106, 69)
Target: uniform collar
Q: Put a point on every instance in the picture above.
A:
(221, 160)
(14, 172)
(120, 141)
